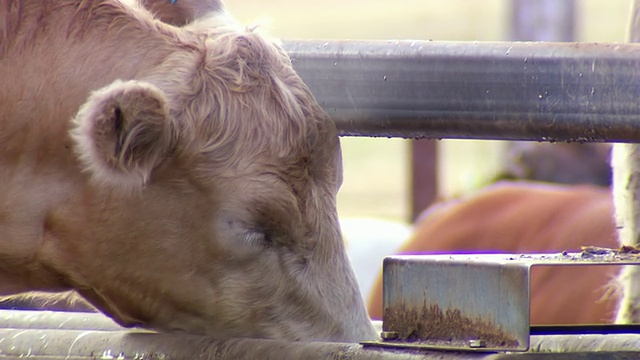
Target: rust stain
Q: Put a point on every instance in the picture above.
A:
(624, 252)
(627, 249)
(624, 249)
(433, 324)
(588, 255)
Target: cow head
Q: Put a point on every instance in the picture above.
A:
(210, 204)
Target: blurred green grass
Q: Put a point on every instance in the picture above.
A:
(376, 170)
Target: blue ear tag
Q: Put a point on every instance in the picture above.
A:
(173, 1)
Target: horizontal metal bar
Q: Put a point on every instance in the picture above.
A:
(473, 90)
(50, 340)
(597, 256)
(59, 320)
(89, 344)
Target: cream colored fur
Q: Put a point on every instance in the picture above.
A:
(123, 132)
(231, 229)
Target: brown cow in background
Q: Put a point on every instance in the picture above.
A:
(528, 217)
(178, 178)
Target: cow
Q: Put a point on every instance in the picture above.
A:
(528, 217)
(178, 175)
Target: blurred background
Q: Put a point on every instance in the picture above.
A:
(377, 177)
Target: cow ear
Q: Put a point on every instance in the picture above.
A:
(123, 132)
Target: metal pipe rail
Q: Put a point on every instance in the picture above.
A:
(51, 335)
(472, 90)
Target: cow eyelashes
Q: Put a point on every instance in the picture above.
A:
(256, 238)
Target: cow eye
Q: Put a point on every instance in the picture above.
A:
(256, 237)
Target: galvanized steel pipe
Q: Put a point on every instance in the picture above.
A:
(57, 335)
(470, 90)
(58, 320)
(92, 344)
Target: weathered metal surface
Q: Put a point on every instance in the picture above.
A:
(558, 347)
(34, 319)
(587, 342)
(49, 342)
(615, 355)
(626, 255)
(445, 327)
(505, 91)
(437, 302)
(112, 345)
(460, 301)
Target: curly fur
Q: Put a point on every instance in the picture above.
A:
(235, 231)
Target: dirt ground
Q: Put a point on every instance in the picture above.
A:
(376, 170)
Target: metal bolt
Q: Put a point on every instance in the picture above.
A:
(388, 335)
(477, 343)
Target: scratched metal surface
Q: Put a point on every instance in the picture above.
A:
(53, 341)
(591, 256)
(475, 90)
(41, 319)
(112, 345)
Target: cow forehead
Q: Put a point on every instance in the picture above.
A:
(254, 77)
(243, 107)
(245, 97)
